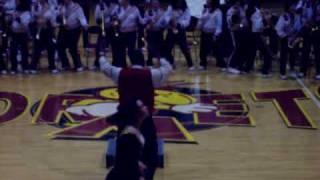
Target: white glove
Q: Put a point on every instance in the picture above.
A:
(95, 110)
(197, 107)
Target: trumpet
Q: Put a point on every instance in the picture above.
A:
(295, 41)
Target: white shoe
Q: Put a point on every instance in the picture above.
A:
(4, 72)
(192, 68)
(223, 69)
(33, 72)
(283, 77)
(54, 71)
(317, 77)
(13, 72)
(80, 69)
(202, 68)
(26, 72)
(301, 75)
(233, 71)
(266, 75)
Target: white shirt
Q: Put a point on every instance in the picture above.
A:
(107, 13)
(236, 10)
(159, 75)
(211, 22)
(257, 21)
(129, 18)
(284, 26)
(74, 16)
(48, 14)
(23, 25)
(182, 17)
(159, 17)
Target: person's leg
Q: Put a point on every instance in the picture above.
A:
(218, 49)
(62, 42)
(182, 41)
(252, 51)
(36, 53)
(23, 41)
(13, 52)
(131, 43)
(51, 50)
(205, 47)
(169, 45)
(150, 151)
(73, 48)
(283, 56)
(118, 50)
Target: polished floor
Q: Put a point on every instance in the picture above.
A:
(270, 150)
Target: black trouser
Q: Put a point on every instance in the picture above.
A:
(19, 40)
(141, 43)
(208, 44)
(181, 39)
(259, 44)
(2, 64)
(155, 44)
(150, 150)
(45, 41)
(240, 50)
(120, 44)
(286, 52)
(86, 10)
(316, 48)
(273, 40)
(306, 49)
(68, 39)
(103, 42)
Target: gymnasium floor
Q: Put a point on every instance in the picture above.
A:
(266, 149)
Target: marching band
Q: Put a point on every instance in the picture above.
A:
(56, 26)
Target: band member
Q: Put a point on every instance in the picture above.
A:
(284, 28)
(130, 141)
(157, 18)
(238, 25)
(104, 12)
(180, 20)
(44, 36)
(126, 26)
(85, 5)
(141, 83)
(316, 39)
(210, 25)
(21, 19)
(257, 28)
(269, 21)
(71, 19)
(306, 15)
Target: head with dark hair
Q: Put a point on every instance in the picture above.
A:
(23, 5)
(213, 4)
(180, 4)
(130, 114)
(137, 57)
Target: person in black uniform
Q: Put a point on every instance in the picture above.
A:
(44, 19)
(20, 22)
(180, 20)
(125, 27)
(85, 5)
(105, 11)
(316, 39)
(71, 19)
(130, 142)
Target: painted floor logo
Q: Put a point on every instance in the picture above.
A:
(82, 114)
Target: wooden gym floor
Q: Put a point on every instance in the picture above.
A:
(270, 150)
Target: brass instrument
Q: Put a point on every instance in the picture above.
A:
(102, 8)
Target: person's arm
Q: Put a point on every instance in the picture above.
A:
(185, 20)
(218, 20)
(82, 18)
(280, 27)
(161, 74)
(109, 70)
